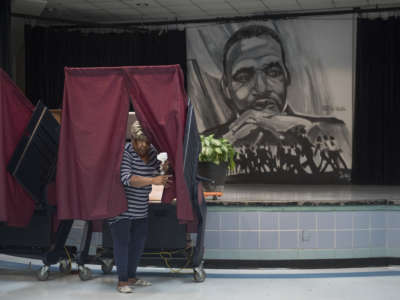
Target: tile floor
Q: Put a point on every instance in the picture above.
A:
(18, 281)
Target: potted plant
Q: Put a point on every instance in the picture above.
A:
(217, 156)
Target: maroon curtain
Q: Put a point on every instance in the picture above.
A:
(160, 104)
(16, 206)
(94, 117)
(93, 127)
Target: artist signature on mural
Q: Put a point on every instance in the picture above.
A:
(330, 108)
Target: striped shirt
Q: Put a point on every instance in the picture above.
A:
(138, 198)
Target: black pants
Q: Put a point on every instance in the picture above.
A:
(129, 237)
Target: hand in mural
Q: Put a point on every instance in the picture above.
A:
(248, 123)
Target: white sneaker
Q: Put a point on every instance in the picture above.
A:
(125, 289)
(142, 282)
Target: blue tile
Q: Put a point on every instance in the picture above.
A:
(248, 221)
(307, 220)
(361, 220)
(269, 220)
(307, 239)
(393, 219)
(211, 239)
(326, 239)
(344, 239)
(361, 238)
(248, 239)
(344, 220)
(393, 238)
(378, 220)
(288, 239)
(229, 221)
(378, 238)
(269, 240)
(229, 239)
(288, 221)
(326, 221)
(212, 221)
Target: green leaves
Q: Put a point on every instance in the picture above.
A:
(217, 150)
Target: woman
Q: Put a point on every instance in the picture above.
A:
(129, 229)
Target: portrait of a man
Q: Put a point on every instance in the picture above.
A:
(248, 105)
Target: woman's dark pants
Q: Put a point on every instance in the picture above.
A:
(129, 237)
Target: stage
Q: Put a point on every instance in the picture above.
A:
(271, 195)
(279, 195)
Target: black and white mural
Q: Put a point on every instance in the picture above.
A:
(281, 92)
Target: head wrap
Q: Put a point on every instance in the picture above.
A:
(137, 131)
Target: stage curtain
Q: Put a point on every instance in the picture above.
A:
(376, 145)
(16, 206)
(93, 128)
(5, 35)
(48, 50)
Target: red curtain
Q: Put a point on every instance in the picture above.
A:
(160, 104)
(16, 206)
(93, 127)
(95, 111)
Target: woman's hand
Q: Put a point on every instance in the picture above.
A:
(162, 180)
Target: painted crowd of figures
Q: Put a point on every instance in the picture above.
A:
(296, 158)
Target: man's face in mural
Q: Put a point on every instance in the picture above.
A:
(256, 76)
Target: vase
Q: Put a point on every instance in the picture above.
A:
(214, 172)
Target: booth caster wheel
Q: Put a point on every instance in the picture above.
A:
(43, 273)
(199, 275)
(65, 266)
(84, 273)
(107, 266)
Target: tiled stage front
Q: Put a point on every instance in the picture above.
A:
(278, 222)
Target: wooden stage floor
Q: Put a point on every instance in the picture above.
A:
(309, 194)
(275, 194)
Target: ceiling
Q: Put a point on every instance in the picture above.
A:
(131, 11)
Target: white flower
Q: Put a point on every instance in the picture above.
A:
(163, 156)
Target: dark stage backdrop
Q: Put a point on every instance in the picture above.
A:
(49, 50)
(376, 158)
(5, 29)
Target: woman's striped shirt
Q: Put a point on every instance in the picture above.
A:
(138, 198)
